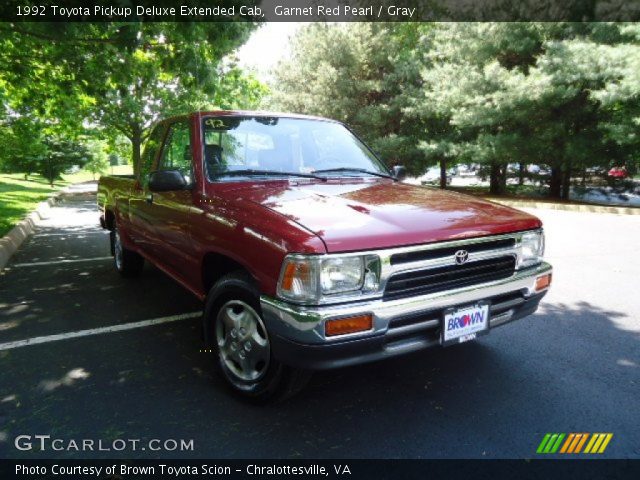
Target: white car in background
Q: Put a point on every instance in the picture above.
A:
(467, 170)
(432, 175)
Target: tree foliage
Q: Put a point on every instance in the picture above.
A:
(558, 94)
(354, 73)
(121, 77)
(533, 93)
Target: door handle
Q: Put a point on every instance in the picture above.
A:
(149, 198)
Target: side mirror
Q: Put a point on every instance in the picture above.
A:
(166, 181)
(400, 172)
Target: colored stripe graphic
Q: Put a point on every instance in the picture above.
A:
(598, 443)
(590, 444)
(544, 441)
(568, 442)
(556, 445)
(581, 443)
(607, 439)
(550, 443)
(573, 442)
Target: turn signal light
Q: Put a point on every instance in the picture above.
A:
(343, 326)
(293, 271)
(543, 282)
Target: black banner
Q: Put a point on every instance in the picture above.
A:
(347, 469)
(319, 10)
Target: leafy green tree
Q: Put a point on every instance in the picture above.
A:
(530, 93)
(21, 145)
(61, 155)
(355, 73)
(120, 76)
(558, 94)
(98, 160)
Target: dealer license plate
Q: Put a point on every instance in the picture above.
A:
(464, 324)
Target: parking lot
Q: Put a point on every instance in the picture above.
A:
(572, 367)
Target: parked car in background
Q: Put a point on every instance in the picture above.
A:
(467, 170)
(308, 253)
(432, 176)
(544, 170)
(618, 172)
(596, 171)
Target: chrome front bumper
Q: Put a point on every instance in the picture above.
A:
(306, 324)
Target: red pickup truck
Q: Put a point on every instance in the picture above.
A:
(309, 253)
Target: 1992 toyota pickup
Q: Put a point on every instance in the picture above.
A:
(309, 253)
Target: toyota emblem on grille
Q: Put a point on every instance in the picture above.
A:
(461, 256)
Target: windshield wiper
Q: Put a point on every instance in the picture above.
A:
(358, 170)
(271, 173)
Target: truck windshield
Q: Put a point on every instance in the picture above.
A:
(239, 146)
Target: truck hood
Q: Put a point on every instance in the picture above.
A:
(373, 214)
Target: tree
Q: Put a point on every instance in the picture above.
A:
(98, 160)
(61, 155)
(355, 73)
(21, 145)
(530, 93)
(558, 94)
(120, 76)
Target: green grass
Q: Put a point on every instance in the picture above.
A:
(18, 196)
(84, 176)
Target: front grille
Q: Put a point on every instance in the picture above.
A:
(421, 282)
(421, 255)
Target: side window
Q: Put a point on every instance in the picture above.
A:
(151, 148)
(176, 153)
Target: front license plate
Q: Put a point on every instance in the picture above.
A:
(464, 324)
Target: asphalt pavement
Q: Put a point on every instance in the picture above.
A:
(571, 367)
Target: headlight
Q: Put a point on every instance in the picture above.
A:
(318, 279)
(342, 274)
(531, 248)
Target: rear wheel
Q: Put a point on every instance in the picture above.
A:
(127, 262)
(236, 333)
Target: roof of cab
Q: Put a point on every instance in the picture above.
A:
(251, 113)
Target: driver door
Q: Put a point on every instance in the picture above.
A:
(172, 210)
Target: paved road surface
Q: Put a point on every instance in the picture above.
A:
(573, 367)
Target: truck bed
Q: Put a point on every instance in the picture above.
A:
(111, 187)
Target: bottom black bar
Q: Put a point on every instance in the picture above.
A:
(347, 469)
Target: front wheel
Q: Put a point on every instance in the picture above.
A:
(236, 333)
(127, 262)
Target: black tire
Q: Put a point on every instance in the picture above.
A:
(126, 262)
(275, 381)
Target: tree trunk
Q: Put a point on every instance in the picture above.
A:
(136, 151)
(497, 179)
(521, 169)
(49, 172)
(555, 183)
(443, 173)
(566, 181)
